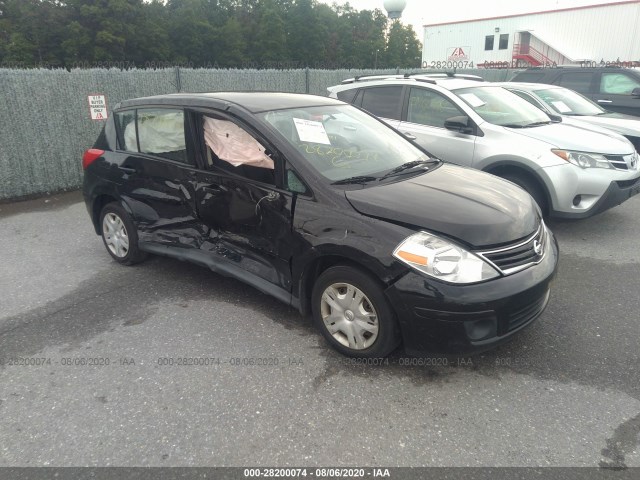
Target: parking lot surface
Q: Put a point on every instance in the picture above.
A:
(168, 364)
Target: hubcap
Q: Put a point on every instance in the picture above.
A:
(349, 316)
(115, 235)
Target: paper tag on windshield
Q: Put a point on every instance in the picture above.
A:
(561, 106)
(472, 99)
(310, 131)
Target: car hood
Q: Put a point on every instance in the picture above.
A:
(573, 137)
(471, 206)
(618, 122)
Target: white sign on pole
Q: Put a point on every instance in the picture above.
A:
(98, 107)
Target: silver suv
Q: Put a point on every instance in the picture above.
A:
(570, 172)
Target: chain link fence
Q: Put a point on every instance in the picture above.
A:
(46, 124)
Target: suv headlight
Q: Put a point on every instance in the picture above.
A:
(442, 259)
(583, 159)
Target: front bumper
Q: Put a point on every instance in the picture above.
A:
(461, 319)
(580, 193)
(617, 193)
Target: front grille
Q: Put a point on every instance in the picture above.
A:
(617, 161)
(623, 162)
(516, 257)
(527, 313)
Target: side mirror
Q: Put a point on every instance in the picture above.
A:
(458, 124)
(635, 92)
(555, 118)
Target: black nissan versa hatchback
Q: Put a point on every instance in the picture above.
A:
(326, 208)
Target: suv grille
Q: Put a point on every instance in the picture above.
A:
(623, 162)
(516, 257)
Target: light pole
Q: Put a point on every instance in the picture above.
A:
(375, 65)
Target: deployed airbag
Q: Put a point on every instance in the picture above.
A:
(160, 133)
(234, 145)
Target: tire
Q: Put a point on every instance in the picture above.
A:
(531, 187)
(364, 329)
(119, 235)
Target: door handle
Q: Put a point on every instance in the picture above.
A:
(410, 136)
(605, 101)
(128, 170)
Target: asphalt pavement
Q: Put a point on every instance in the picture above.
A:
(168, 364)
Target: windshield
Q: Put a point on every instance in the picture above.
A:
(568, 102)
(342, 142)
(501, 107)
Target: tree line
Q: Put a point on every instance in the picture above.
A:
(201, 33)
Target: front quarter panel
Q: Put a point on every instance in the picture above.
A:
(501, 146)
(346, 236)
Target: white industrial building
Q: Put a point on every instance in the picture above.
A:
(609, 33)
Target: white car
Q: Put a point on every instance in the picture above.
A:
(576, 109)
(570, 171)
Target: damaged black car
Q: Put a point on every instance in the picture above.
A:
(326, 208)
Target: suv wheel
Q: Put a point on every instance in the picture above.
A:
(119, 235)
(351, 311)
(531, 187)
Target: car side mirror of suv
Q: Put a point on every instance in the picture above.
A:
(555, 118)
(458, 124)
(635, 92)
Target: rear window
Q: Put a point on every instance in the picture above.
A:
(383, 101)
(533, 77)
(156, 131)
(126, 127)
(347, 95)
(578, 81)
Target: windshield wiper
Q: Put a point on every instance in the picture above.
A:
(356, 179)
(407, 166)
(526, 125)
(537, 124)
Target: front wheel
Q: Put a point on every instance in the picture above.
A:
(353, 314)
(119, 235)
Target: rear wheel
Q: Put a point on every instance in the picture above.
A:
(119, 235)
(351, 311)
(531, 187)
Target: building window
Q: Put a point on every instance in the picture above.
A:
(488, 42)
(504, 41)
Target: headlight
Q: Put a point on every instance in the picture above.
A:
(443, 259)
(583, 159)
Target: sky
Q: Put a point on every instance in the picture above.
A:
(421, 12)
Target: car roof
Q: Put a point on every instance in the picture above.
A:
(528, 85)
(448, 83)
(255, 102)
(565, 68)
